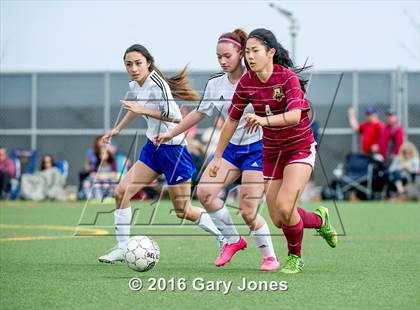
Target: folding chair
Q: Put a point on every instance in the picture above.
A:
(358, 174)
(25, 162)
(63, 166)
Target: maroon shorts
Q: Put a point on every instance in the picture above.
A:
(273, 166)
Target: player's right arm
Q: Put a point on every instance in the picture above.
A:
(190, 120)
(205, 108)
(129, 116)
(228, 130)
(236, 110)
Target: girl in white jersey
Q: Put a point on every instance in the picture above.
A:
(155, 103)
(243, 157)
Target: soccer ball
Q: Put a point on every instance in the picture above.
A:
(142, 253)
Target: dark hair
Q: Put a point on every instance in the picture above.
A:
(281, 57)
(180, 85)
(43, 160)
(96, 147)
(110, 160)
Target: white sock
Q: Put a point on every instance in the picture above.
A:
(122, 219)
(223, 221)
(263, 241)
(205, 222)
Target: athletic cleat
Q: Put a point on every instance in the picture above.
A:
(293, 264)
(326, 231)
(115, 255)
(228, 251)
(270, 264)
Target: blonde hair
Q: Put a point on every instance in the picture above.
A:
(406, 147)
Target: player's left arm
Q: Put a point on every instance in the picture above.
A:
(139, 109)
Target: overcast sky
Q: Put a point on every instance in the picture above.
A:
(92, 35)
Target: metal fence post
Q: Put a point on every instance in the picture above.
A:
(34, 106)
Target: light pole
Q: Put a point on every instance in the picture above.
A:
(294, 27)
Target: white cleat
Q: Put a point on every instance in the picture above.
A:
(115, 255)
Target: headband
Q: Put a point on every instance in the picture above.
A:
(231, 41)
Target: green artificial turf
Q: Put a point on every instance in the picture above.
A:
(376, 265)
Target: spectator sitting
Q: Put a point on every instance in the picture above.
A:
(48, 183)
(7, 173)
(101, 181)
(392, 132)
(89, 162)
(404, 168)
(123, 163)
(370, 129)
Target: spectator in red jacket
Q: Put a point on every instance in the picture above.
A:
(370, 129)
(392, 136)
(7, 172)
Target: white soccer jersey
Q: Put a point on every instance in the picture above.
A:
(218, 95)
(155, 94)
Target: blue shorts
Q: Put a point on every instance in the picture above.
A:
(245, 157)
(174, 161)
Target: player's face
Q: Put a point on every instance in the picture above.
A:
(257, 55)
(137, 66)
(229, 56)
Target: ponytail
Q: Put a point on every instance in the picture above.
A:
(180, 85)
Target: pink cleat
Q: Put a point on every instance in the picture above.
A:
(228, 251)
(270, 264)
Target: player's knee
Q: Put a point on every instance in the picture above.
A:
(284, 207)
(277, 220)
(119, 193)
(249, 215)
(203, 195)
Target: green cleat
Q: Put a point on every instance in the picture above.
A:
(326, 231)
(293, 264)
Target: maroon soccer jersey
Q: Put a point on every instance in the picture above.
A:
(281, 93)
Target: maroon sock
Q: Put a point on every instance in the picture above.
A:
(310, 219)
(294, 236)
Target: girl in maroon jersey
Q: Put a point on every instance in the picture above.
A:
(281, 109)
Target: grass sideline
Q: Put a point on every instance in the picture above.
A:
(42, 265)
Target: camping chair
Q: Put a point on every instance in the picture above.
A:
(358, 174)
(25, 162)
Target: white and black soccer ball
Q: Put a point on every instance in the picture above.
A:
(142, 253)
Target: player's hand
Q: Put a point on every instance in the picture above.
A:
(133, 107)
(215, 166)
(251, 128)
(350, 112)
(107, 136)
(162, 137)
(253, 121)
